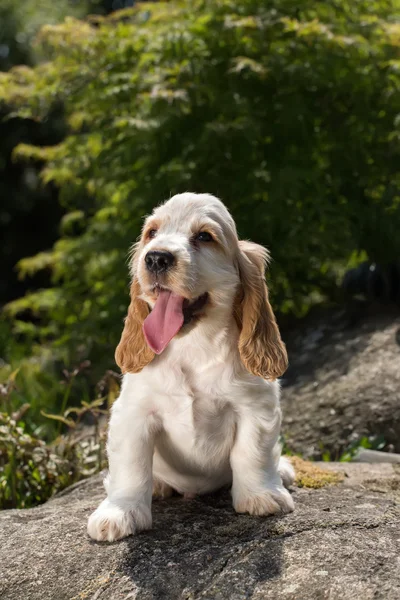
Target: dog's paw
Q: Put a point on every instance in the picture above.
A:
(161, 490)
(266, 502)
(110, 522)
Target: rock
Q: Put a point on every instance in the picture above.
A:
(342, 384)
(373, 456)
(341, 543)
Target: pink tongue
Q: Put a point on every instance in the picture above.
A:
(164, 321)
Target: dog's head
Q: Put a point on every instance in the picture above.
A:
(189, 266)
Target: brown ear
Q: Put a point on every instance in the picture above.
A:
(260, 346)
(133, 353)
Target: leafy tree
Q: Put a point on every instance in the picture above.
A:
(288, 111)
(27, 206)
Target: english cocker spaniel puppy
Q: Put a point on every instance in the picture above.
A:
(200, 353)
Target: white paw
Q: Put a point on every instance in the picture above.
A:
(266, 502)
(110, 522)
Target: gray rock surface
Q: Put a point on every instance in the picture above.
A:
(374, 456)
(343, 383)
(342, 542)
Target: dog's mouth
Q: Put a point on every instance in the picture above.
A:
(170, 313)
(192, 308)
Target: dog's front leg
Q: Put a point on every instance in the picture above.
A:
(257, 486)
(127, 508)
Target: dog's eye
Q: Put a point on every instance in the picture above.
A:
(204, 236)
(152, 234)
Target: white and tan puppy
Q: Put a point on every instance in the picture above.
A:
(201, 353)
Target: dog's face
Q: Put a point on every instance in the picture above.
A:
(188, 247)
(189, 267)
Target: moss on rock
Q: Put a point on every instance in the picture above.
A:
(309, 475)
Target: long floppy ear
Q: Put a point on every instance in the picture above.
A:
(133, 353)
(260, 346)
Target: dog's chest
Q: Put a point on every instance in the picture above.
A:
(197, 413)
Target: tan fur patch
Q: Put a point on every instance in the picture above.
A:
(133, 353)
(260, 346)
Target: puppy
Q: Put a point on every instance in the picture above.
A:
(200, 353)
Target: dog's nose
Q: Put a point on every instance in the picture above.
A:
(159, 262)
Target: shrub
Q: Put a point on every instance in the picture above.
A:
(31, 471)
(288, 111)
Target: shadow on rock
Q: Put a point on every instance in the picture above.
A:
(203, 546)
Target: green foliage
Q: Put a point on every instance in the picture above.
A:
(31, 471)
(20, 22)
(37, 386)
(26, 204)
(288, 111)
(372, 442)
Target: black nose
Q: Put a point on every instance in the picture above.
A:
(159, 262)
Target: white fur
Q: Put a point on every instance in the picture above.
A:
(194, 419)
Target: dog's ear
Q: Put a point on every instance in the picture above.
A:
(133, 353)
(260, 346)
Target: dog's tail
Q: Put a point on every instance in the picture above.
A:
(285, 468)
(286, 471)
